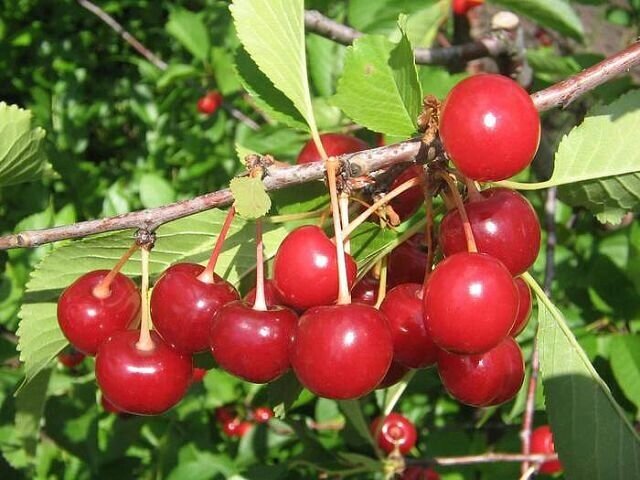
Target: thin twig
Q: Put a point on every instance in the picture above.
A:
(491, 457)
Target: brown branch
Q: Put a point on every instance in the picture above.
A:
(491, 457)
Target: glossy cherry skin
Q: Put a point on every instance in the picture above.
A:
(542, 442)
(395, 373)
(236, 428)
(209, 103)
(365, 291)
(342, 351)
(334, 144)
(71, 358)
(396, 430)
(271, 295)
(87, 320)
(504, 225)
(262, 414)
(489, 127)
(470, 303)
(462, 7)
(412, 345)
(182, 306)
(252, 344)
(109, 407)
(407, 203)
(305, 269)
(139, 381)
(420, 473)
(524, 307)
(407, 262)
(483, 379)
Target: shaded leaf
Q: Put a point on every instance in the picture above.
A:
(189, 29)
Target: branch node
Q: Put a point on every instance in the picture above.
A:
(145, 238)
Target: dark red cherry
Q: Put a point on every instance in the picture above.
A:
(524, 307)
(365, 291)
(412, 345)
(395, 373)
(462, 7)
(342, 351)
(236, 428)
(489, 127)
(542, 442)
(143, 382)
(407, 203)
(198, 374)
(271, 295)
(225, 414)
(209, 103)
(334, 144)
(71, 358)
(252, 344)
(483, 379)
(182, 306)
(407, 262)
(262, 414)
(420, 473)
(305, 269)
(396, 431)
(470, 303)
(87, 320)
(504, 225)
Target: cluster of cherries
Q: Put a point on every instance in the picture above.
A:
(233, 425)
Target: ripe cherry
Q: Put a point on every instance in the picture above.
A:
(183, 306)
(407, 262)
(412, 345)
(252, 344)
(198, 374)
(365, 291)
(524, 307)
(504, 225)
(462, 7)
(109, 407)
(334, 144)
(71, 358)
(542, 442)
(143, 382)
(225, 414)
(262, 414)
(407, 203)
(305, 269)
(470, 303)
(484, 379)
(209, 103)
(396, 431)
(271, 295)
(489, 127)
(236, 428)
(87, 318)
(395, 373)
(342, 351)
(420, 473)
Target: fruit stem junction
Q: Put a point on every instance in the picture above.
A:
(103, 289)
(466, 225)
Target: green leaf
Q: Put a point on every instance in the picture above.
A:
(625, 363)
(202, 466)
(352, 410)
(189, 239)
(155, 191)
(272, 33)
(379, 87)
(437, 81)
(251, 199)
(21, 157)
(323, 67)
(29, 409)
(189, 29)
(283, 393)
(176, 72)
(555, 14)
(591, 433)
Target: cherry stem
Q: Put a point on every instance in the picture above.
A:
(343, 201)
(382, 201)
(145, 342)
(103, 289)
(207, 275)
(472, 189)
(344, 296)
(260, 302)
(428, 235)
(382, 282)
(383, 221)
(466, 225)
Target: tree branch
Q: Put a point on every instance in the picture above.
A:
(490, 457)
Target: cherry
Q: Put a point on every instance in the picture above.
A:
(252, 344)
(71, 358)
(334, 144)
(262, 414)
(484, 379)
(412, 345)
(395, 373)
(504, 225)
(87, 319)
(271, 295)
(236, 428)
(365, 291)
(342, 351)
(542, 442)
(305, 269)
(462, 7)
(407, 203)
(524, 307)
(143, 382)
(420, 473)
(198, 374)
(489, 127)
(109, 407)
(183, 306)
(225, 414)
(470, 303)
(407, 262)
(396, 430)
(209, 103)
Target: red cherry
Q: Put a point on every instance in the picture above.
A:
(305, 269)
(407, 262)
(87, 320)
(461, 7)
(524, 307)
(209, 103)
(334, 144)
(408, 202)
(71, 358)
(484, 379)
(489, 127)
(396, 430)
(252, 344)
(109, 407)
(412, 345)
(470, 303)
(342, 351)
(365, 291)
(504, 225)
(143, 382)
(225, 414)
(395, 373)
(271, 295)
(198, 374)
(420, 473)
(262, 414)
(236, 428)
(542, 442)
(182, 306)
